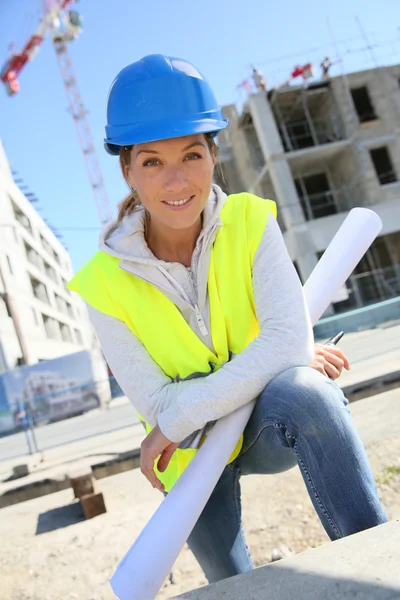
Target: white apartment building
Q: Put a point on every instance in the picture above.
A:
(39, 318)
(320, 149)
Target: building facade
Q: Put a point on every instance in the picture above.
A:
(320, 149)
(39, 318)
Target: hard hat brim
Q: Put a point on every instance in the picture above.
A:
(142, 133)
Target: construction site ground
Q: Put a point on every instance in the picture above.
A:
(49, 552)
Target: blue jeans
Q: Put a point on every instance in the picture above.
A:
(300, 418)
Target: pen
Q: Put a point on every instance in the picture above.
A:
(335, 339)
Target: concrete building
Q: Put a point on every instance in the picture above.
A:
(320, 149)
(39, 318)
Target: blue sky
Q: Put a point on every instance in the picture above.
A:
(220, 38)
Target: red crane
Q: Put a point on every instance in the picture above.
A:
(65, 26)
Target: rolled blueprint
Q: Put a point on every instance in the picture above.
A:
(144, 568)
(340, 259)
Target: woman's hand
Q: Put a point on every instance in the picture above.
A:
(152, 446)
(329, 361)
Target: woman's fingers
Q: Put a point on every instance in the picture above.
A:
(329, 361)
(147, 468)
(153, 446)
(332, 371)
(337, 352)
(334, 360)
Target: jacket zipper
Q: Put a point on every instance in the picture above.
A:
(200, 321)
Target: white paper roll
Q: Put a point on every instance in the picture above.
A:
(340, 258)
(142, 571)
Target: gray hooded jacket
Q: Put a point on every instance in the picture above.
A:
(183, 409)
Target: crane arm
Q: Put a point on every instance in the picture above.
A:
(17, 61)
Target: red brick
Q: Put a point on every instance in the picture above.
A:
(83, 485)
(93, 505)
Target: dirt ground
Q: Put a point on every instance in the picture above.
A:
(46, 554)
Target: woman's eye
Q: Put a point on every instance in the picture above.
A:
(150, 162)
(193, 156)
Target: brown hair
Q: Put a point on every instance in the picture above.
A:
(131, 202)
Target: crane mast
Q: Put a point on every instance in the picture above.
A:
(64, 25)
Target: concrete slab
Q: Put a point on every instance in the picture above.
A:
(372, 353)
(362, 566)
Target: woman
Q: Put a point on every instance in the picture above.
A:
(199, 310)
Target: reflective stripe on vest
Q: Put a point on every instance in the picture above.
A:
(160, 326)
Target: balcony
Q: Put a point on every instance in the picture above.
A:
(307, 118)
(370, 287)
(298, 135)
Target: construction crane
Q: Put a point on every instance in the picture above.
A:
(65, 25)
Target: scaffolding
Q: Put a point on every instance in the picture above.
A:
(306, 116)
(329, 173)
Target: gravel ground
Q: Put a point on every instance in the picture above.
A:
(47, 555)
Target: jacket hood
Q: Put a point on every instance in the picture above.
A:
(125, 240)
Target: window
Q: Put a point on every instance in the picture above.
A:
(363, 105)
(70, 312)
(66, 333)
(50, 272)
(46, 246)
(32, 256)
(21, 217)
(78, 337)
(64, 283)
(39, 290)
(52, 327)
(383, 165)
(316, 198)
(300, 134)
(61, 303)
(56, 257)
(9, 265)
(35, 317)
(4, 306)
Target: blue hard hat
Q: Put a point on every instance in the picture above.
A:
(157, 98)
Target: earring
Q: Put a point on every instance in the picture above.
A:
(133, 189)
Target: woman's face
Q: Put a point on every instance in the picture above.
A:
(173, 179)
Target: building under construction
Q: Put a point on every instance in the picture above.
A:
(320, 149)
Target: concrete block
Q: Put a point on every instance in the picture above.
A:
(93, 505)
(82, 484)
(363, 566)
(20, 471)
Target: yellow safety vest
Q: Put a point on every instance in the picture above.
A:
(158, 323)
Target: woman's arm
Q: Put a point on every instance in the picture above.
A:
(285, 341)
(145, 384)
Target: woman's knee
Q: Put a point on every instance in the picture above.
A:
(302, 393)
